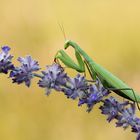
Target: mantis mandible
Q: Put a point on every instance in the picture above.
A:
(109, 81)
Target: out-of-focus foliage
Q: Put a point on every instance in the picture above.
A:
(108, 31)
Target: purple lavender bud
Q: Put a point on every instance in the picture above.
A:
(136, 129)
(76, 87)
(127, 117)
(112, 107)
(124, 113)
(5, 60)
(24, 73)
(138, 136)
(96, 93)
(53, 78)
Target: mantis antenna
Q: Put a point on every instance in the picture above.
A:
(62, 30)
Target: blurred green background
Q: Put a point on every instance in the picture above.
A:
(108, 30)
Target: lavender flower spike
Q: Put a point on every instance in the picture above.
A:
(127, 117)
(112, 108)
(5, 60)
(24, 73)
(76, 87)
(95, 94)
(53, 78)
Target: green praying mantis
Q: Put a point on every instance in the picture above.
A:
(109, 81)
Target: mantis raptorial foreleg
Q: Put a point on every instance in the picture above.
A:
(80, 66)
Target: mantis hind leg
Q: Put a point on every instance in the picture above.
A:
(115, 89)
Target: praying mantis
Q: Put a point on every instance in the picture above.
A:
(108, 80)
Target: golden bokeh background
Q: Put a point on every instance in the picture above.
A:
(109, 31)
